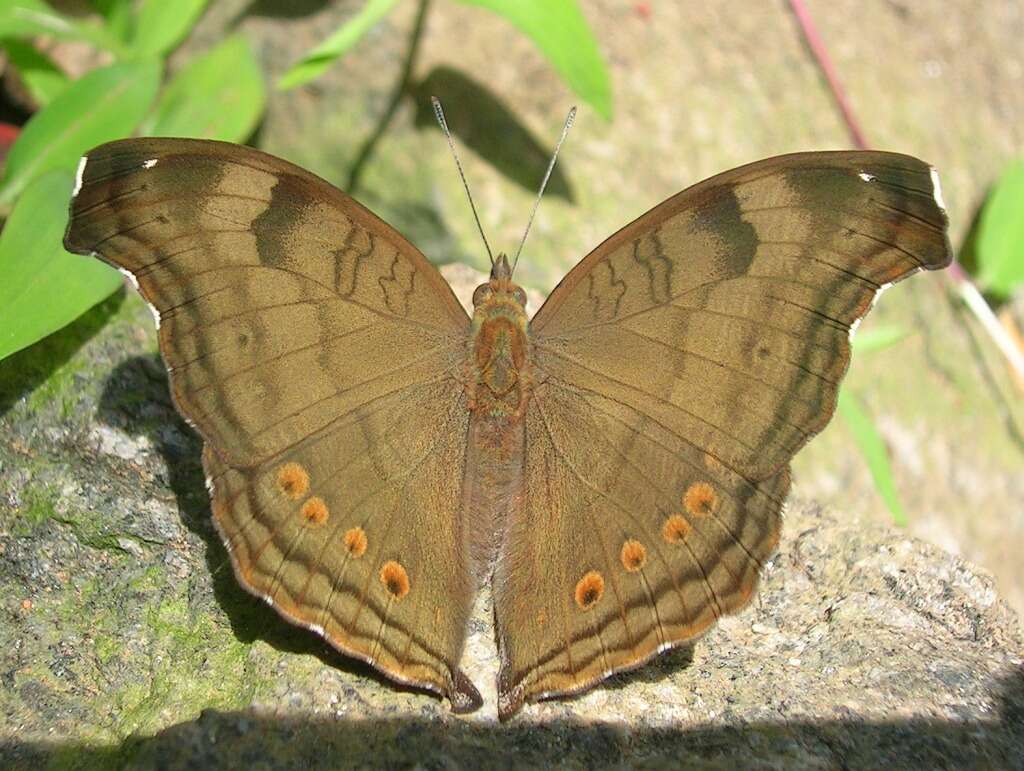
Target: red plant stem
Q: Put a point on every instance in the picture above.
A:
(817, 46)
(962, 282)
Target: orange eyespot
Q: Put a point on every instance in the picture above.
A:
(676, 529)
(314, 512)
(355, 541)
(395, 579)
(633, 556)
(589, 590)
(700, 499)
(292, 480)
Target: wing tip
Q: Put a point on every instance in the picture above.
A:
(462, 694)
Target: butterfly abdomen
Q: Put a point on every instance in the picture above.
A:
(498, 370)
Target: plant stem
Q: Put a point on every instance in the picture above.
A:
(368, 148)
(817, 46)
(966, 288)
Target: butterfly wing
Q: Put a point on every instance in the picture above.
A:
(315, 351)
(676, 370)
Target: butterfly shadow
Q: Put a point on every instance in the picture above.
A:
(219, 739)
(23, 372)
(137, 399)
(281, 9)
(483, 123)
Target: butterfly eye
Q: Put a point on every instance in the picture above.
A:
(481, 294)
(520, 296)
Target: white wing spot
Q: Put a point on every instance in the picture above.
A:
(866, 177)
(135, 283)
(130, 276)
(150, 163)
(79, 173)
(937, 188)
(856, 322)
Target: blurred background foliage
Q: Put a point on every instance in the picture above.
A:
(81, 73)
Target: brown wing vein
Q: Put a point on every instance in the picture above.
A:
(574, 331)
(599, 376)
(279, 357)
(432, 353)
(606, 496)
(362, 597)
(604, 547)
(573, 386)
(667, 496)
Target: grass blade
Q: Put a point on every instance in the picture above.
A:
(872, 447)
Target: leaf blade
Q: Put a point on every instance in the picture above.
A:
(313, 64)
(876, 454)
(43, 79)
(160, 25)
(878, 337)
(560, 31)
(201, 102)
(1000, 246)
(35, 268)
(32, 18)
(105, 104)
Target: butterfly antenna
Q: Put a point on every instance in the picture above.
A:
(448, 135)
(547, 175)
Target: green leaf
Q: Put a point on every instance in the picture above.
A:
(219, 95)
(161, 25)
(873, 448)
(325, 54)
(43, 79)
(878, 337)
(1000, 245)
(106, 104)
(30, 18)
(43, 287)
(117, 15)
(560, 31)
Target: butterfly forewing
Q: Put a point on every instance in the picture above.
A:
(316, 352)
(676, 371)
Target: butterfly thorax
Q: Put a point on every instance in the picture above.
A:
(499, 376)
(498, 385)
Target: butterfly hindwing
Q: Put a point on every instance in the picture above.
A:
(316, 352)
(676, 370)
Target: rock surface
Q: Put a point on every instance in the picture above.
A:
(125, 641)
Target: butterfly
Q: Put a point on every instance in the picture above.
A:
(613, 469)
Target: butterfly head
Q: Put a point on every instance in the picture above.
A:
(500, 289)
